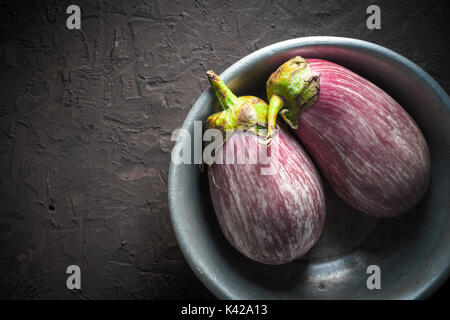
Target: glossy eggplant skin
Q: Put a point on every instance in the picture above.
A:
(364, 143)
(270, 218)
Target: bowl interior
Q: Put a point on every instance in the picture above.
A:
(412, 250)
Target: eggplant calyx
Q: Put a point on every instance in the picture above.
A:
(239, 113)
(291, 89)
(245, 113)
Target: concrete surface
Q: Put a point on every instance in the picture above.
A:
(86, 118)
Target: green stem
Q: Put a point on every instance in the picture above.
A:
(227, 99)
(295, 83)
(275, 105)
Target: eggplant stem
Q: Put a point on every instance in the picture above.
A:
(275, 105)
(227, 98)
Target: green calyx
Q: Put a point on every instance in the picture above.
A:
(239, 113)
(291, 89)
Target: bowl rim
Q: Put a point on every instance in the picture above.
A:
(205, 277)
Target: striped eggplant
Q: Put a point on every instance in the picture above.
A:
(270, 208)
(364, 143)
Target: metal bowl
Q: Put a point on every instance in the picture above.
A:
(412, 251)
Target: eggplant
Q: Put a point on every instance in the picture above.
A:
(271, 209)
(364, 143)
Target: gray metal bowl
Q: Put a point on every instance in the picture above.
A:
(412, 251)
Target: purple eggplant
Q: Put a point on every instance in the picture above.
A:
(271, 209)
(363, 142)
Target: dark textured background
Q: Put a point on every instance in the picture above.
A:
(86, 118)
